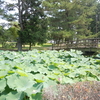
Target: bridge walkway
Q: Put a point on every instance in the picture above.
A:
(83, 45)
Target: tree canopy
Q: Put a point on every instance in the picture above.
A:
(71, 18)
(60, 20)
(33, 22)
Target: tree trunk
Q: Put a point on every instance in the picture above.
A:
(30, 45)
(19, 44)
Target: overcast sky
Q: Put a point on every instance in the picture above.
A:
(9, 1)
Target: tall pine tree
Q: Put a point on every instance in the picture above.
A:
(95, 24)
(32, 22)
(70, 18)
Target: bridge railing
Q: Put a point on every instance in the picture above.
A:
(84, 43)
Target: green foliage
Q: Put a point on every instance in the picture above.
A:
(13, 31)
(8, 35)
(95, 24)
(23, 75)
(71, 16)
(33, 22)
(4, 36)
(1, 8)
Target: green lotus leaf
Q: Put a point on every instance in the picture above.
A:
(2, 97)
(17, 67)
(67, 80)
(22, 83)
(39, 81)
(42, 70)
(14, 95)
(34, 89)
(52, 76)
(31, 91)
(52, 67)
(11, 72)
(3, 74)
(40, 78)
(56, 72)
(66, 74)
(72, 75)
(2, 84)
(98, 77)
(49, 83)
(4, 67)
(11, 79)
(91, 79)
(21, 73)
(37, 96)
(79, 52)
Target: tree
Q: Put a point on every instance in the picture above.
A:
(4, 37)
(1, 7)
(2, 31)
(32, 22)
(70, 16)
(13, 31)
(8, 35)
(95, 24)
(87, 9)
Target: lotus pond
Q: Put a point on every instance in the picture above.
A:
(23, 75)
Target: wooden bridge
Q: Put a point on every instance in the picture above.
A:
(83, 45)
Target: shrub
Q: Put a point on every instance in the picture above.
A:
(89, 90)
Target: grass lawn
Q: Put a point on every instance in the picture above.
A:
(45, 46)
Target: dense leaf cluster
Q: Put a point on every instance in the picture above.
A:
(23, 75)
